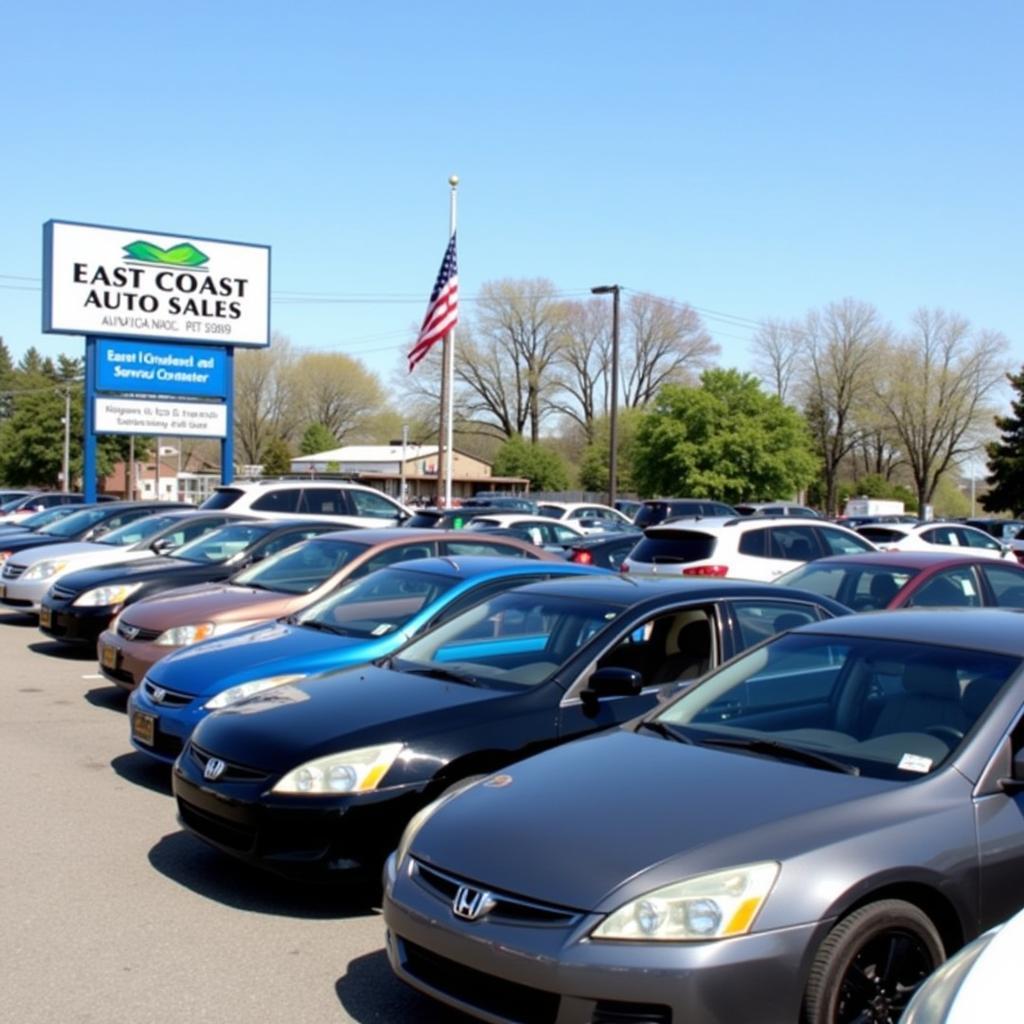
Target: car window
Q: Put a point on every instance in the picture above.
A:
(838, 542)
(399, 553)
(951, 587)
(946, 535)
(374, 506)
(977, 539)
(671, 546)
(223, 497)
(793, 543)
(1007, 585)
(456, 548)
(754, 543)
(280, 500)
(757, 620)
(299, 568)
(220, 545)
(190, 529)
(322, 501)
(282, 542)
(563, 535)
(550, 510)
(880, 535)
(141, 529)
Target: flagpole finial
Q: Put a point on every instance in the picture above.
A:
(453, 180)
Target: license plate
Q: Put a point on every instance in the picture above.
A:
(45, 616)
(3, 591)
(108, 656)
(144, 727)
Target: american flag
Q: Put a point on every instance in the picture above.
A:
(443, 308)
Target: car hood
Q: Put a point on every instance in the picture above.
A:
(138, 572)
(212, 602)
(574, 824)
(82, 555)
(278, 730)
(275, 648)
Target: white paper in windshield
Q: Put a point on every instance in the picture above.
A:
(915, 763)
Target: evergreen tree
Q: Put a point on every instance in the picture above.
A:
(277, 458)
(1006, 456)
(317, 438)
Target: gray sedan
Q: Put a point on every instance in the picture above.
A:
(802, 836)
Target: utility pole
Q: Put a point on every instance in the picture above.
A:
(613, 433)
(66, 465)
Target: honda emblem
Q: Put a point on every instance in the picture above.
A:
(470, 904)
(214, 769)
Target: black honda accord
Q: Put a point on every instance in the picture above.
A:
(317, 778)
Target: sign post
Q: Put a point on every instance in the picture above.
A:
(162, 315)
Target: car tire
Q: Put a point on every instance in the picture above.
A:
(845, 983)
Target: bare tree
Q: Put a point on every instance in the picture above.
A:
(664, 342)
(264, 397)
(841, 347)
(935, 396)
(777, 347)
(583, 363)
(336, 390)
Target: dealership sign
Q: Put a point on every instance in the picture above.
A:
(155, 416)
(101, 281)
(151, 368)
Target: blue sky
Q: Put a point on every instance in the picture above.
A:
(753, 159)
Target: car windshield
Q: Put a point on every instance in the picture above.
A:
(220, 545)
(140, 530)
(77, 523)
(223, 497)
(378, 604)
(47, 516)
(516, 639)
(300, 569)
(884, 709)
(861, 587)
(12, 504)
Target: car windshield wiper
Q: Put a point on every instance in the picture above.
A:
(323, 627)
(783, 751)
(440, 672)
(666, 730)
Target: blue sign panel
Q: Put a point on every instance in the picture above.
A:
(149, 368)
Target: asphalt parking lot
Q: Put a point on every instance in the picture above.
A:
(112, 914)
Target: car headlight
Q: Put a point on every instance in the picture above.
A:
(102, 597)
(352, 771)
(714, 906)
(4, 555)
(233, 694)
(182, 636)
(44, 570)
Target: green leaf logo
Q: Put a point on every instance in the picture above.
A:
(184, 255)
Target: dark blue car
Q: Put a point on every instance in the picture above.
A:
(369, 618)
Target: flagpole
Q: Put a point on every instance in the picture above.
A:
(449, 369)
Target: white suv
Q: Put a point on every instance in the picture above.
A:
(750, 547)
(347, 504)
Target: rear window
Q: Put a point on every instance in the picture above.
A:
(677, 546)
(223, 497)
(879, 535)
(652, 512)
(423, 520)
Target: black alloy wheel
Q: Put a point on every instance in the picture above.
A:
(870, 965)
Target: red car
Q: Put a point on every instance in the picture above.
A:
(912, 579)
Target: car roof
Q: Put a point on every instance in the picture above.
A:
(910, 559)
(465, 567)
(514, 518)
(741, 522)
(998, 630)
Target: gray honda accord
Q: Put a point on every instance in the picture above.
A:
(800, 837)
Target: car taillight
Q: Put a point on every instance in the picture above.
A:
(623, 567)
(706, 570)
(583, 557)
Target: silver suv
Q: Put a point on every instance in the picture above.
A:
(345, 503)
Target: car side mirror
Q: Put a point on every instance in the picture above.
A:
(1015, 782)
(97, 532)
(162, 546)
(613, 681)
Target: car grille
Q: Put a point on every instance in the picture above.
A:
(119, 675)
(505, 999)
(59, 593)
(166, 744)
(507, 908)
(168, 698)
(611, 1011)
(232, 773)
(215, 828)
(130, 632)
(12, 571)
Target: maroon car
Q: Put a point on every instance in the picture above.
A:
(912, 579)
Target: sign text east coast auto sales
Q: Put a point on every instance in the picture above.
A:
(113, 282)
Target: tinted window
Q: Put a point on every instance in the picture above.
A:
(860, 587)
(946, 535)
(299, 569)
(754, 543)
(222, 544)
(76, 523)
(1007, 585)
(322, 501)
(676, 546)
(283, 541)
(651, 512)
(950, 588)
(880, 535)
(399, 553)
(483, 547)
(977, 539)
(142, 529)
(376, 506)
(838, 542)
(794, 543)
(280, 500)
(550, 510)
(759, 620)
(223, 497)
(426, 521)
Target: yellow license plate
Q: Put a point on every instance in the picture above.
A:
(144, 727)
(108, 656)
(45, 616)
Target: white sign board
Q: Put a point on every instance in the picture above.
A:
(112, 282)
(148, 416)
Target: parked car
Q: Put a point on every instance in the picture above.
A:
(38, 569)
(606, 552)
(657, 510)
(317, 777)
(539, 530)
(978, 984)
(505, 502)
(776, 508)
(589, 517)
(89, 523)
(276, 587)
(340, 502)
(448, 518)
(628, 507)
(16, 510)
(368, 618)
(37, 521)
(928, 536)
(801, 836)
(746, 547)
(1002, 529)
(78, 608)
(912, 579)
(853, 522)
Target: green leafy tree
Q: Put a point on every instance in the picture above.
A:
(726, 439)
(593, 464)
(543, 467)
(277, 458)
(1006, 456)
(317, 438)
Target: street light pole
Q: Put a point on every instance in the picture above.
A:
(613, 433)
(66, 462)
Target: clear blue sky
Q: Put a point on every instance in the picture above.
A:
(755, 159)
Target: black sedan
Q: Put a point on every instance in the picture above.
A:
(802, 836)
(81, 604)
(318, 777)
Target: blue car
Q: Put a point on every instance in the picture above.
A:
(368, 619)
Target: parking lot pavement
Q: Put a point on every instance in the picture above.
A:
(110, 914)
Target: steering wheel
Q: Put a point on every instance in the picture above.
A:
(946, 732)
